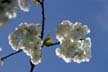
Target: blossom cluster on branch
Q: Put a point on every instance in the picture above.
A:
(27, 38)
(74, 43)
(75, 46)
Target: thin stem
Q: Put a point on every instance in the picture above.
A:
(32, 66)
(56, 43)
(42, 32)
(43, 18)
(3, 58)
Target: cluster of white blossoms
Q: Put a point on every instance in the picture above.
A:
(8, 9)
(27, 38)
(75, 46)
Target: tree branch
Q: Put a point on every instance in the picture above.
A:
(3, 58)
(43, 18)
(32, 66)
(56, 43)
(43, 25)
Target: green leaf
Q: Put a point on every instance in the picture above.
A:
(48, 40)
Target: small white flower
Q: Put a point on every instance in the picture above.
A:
(86, 48)
(11, 14)
(68, 50)
(64, 29)
(74, 31)
(27, 38)
(79, 30)
(24, 5)
(36, 55)
(60, 54)
(8, 10)
(74, 45)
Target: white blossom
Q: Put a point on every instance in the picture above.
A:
(86, 48)
(36, 55)
(79, 30)
(7, 11)
(75, 31)
(24, 5)
(63, 29)
(27, 38)
(74, 44)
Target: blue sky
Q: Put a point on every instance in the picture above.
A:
(93, 13)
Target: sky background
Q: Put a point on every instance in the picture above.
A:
(93, 13)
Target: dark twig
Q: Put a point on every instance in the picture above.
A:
(42, 32)
(43, 18)
(32, 66)
(3, 58)
(56, 43)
